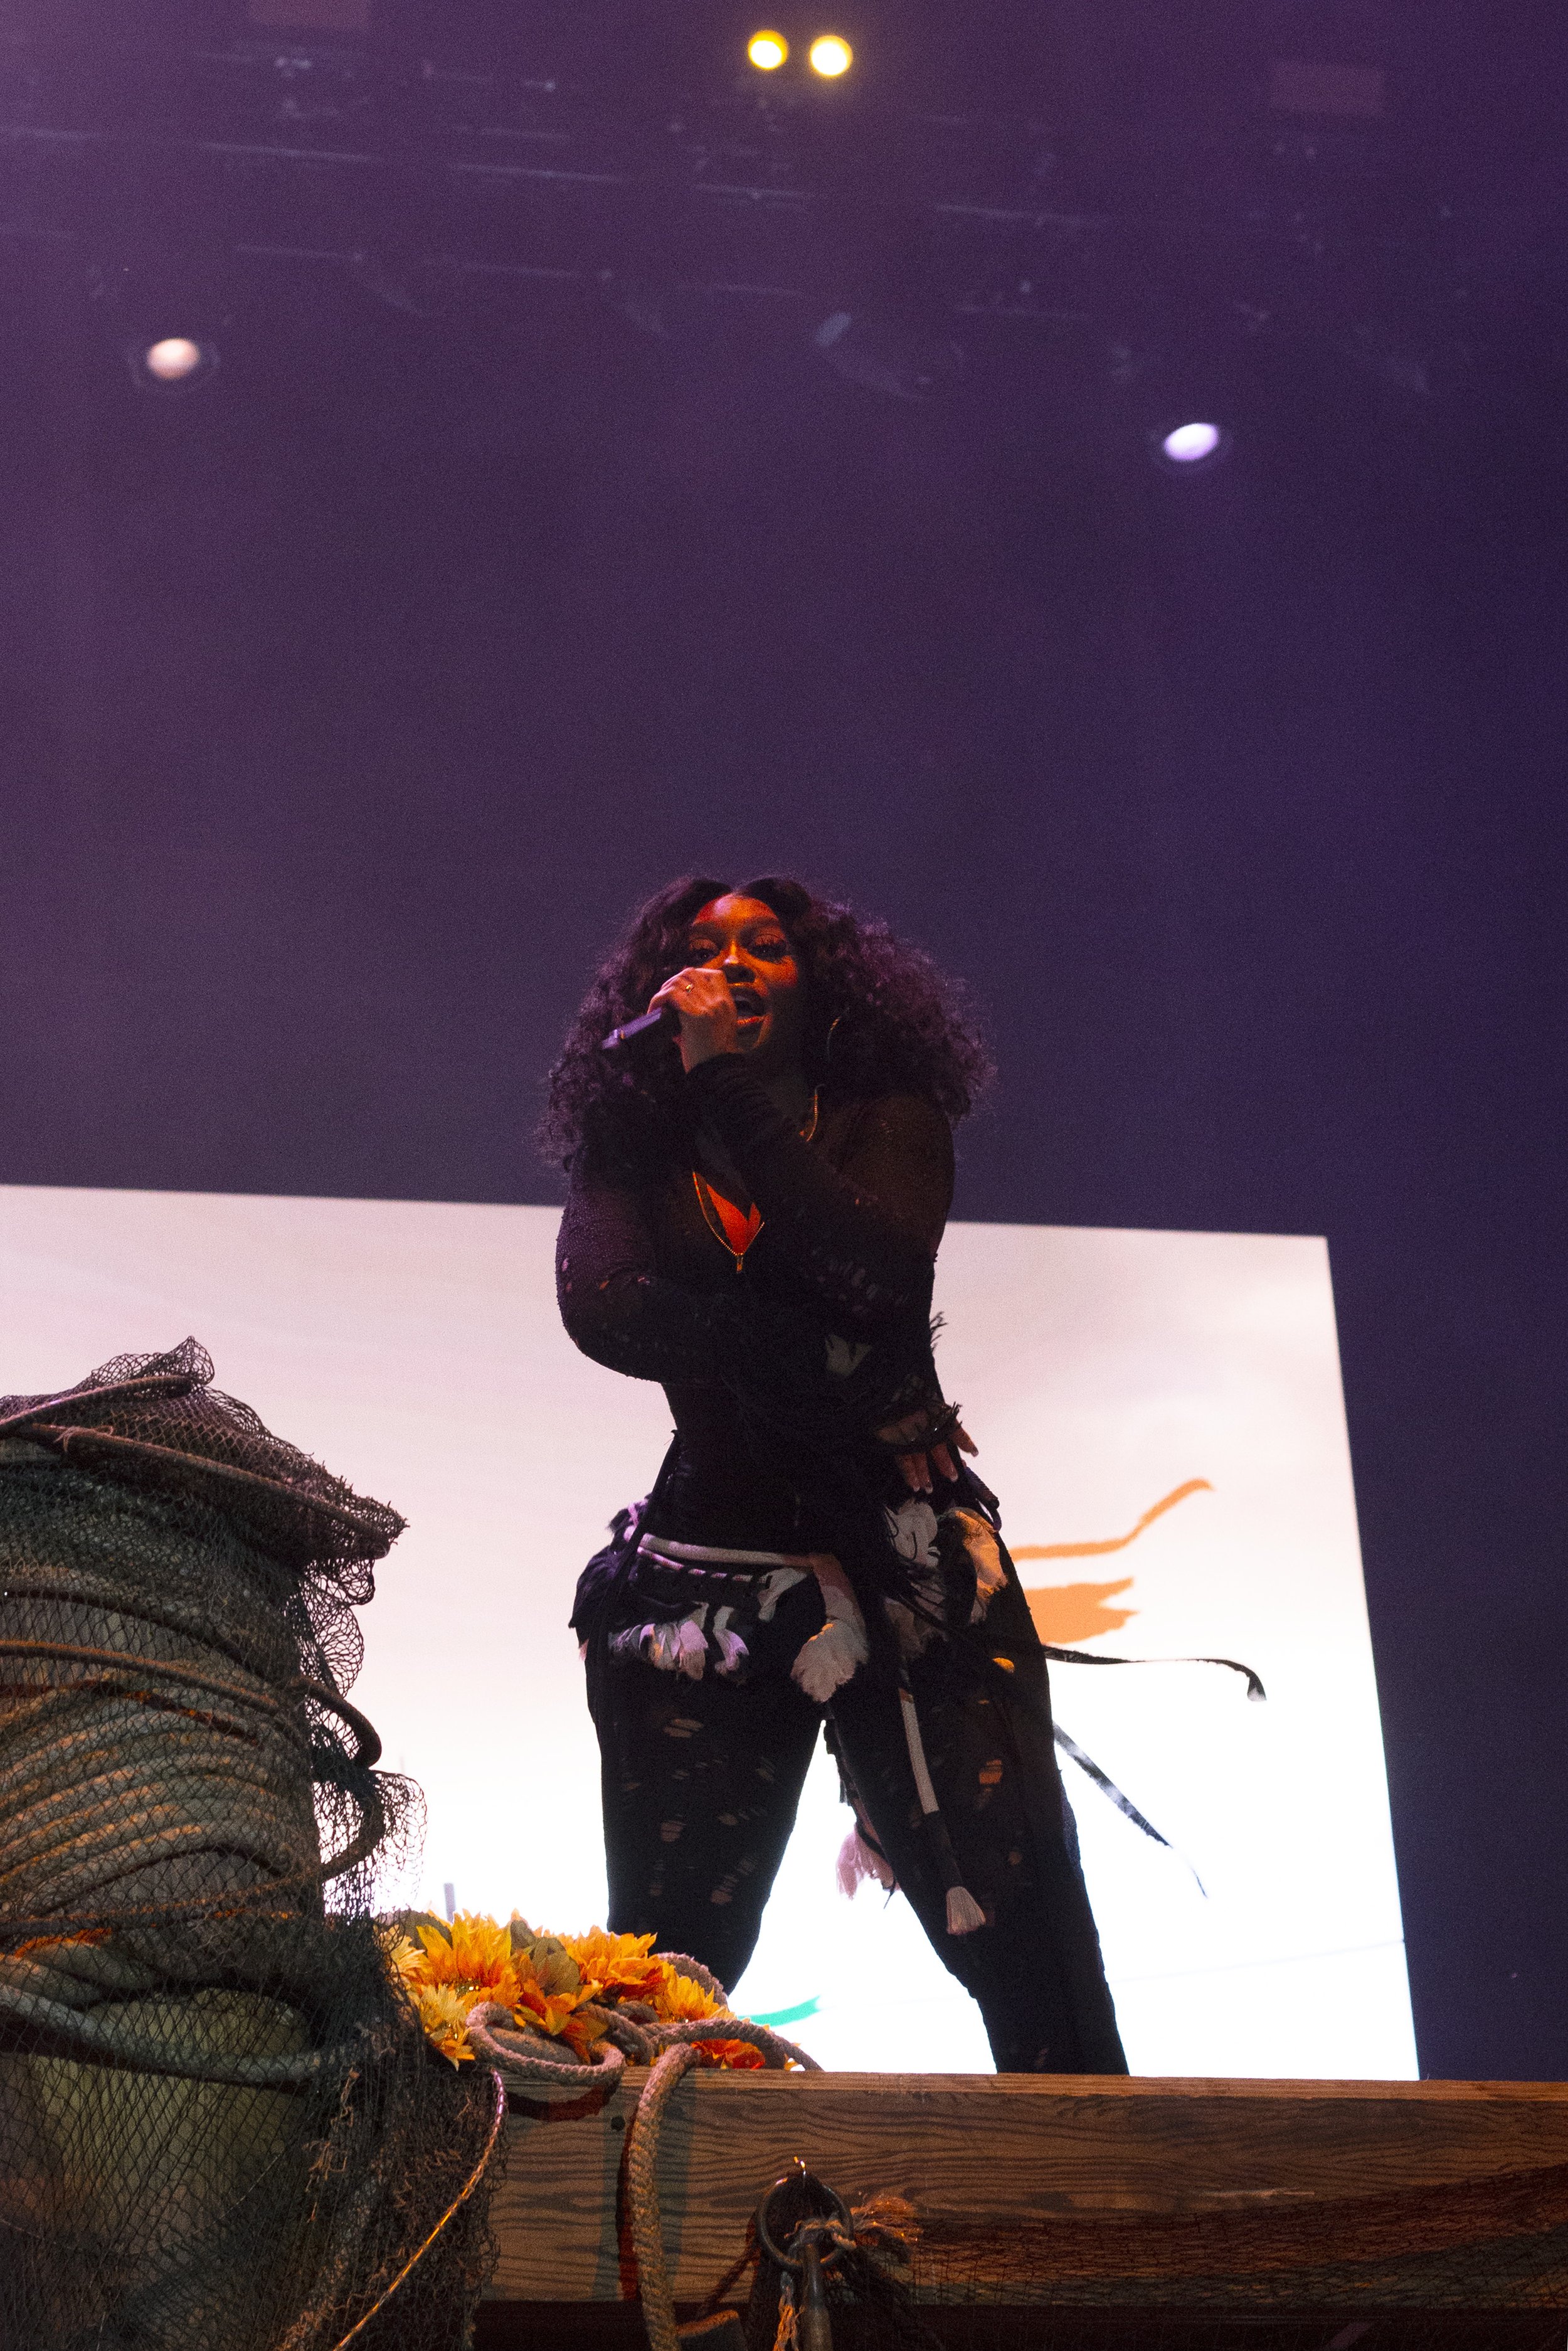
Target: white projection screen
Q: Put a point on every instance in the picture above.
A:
(415, 1350)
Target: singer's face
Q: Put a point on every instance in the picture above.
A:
(745, 941)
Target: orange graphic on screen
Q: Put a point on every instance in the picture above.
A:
(1064, 1614)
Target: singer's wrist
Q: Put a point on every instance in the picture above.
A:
(694, 1051)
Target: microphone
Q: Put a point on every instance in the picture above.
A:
(667, 1017)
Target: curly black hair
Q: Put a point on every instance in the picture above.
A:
(880, 1018)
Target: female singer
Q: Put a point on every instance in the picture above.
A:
(757, 1197)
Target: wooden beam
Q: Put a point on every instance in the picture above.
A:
(1159, 2194)
(619, 2326)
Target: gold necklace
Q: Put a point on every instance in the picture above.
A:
(724, 1220)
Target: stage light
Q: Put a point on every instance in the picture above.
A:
(1192, 446)
(172, 358)
(768, 51)
(1189, 445)
(170, 362)
(830, 56)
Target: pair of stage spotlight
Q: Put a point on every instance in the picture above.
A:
(829, 54)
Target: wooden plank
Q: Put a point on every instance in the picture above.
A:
(1164, 2186)
(619, 2326)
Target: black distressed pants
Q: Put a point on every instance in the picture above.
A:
(701, 1781)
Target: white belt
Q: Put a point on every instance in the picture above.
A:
(679, 1554)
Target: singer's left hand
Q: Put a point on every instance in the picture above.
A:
(707, 1008)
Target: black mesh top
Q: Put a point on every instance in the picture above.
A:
(841, 1273)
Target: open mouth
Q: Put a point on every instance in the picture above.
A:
(748, 1012)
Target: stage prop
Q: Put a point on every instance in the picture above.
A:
(1054, 2212)
(221, 2127)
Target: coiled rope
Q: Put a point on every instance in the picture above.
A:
(148, 1771)
(670, 2050)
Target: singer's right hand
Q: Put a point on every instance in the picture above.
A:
(916, 1461)
(707, 1008)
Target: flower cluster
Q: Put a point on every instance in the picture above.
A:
(560, 1987)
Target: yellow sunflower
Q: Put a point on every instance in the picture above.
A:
(444, 2013)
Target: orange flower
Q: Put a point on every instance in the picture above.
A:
(546, 2011)
(553, 1986)
(679, 2001)
(584, 2034)
(476, 1953)
(619, 1966)
(738, 2057)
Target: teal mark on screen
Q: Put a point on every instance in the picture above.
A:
(789, 2015)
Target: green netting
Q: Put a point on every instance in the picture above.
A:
(222, 2130)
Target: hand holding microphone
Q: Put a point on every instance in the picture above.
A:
(647, 1024)
(700, 1000)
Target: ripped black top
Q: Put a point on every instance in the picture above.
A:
(831, 1307)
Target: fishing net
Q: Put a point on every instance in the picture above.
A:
(221, 2127)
